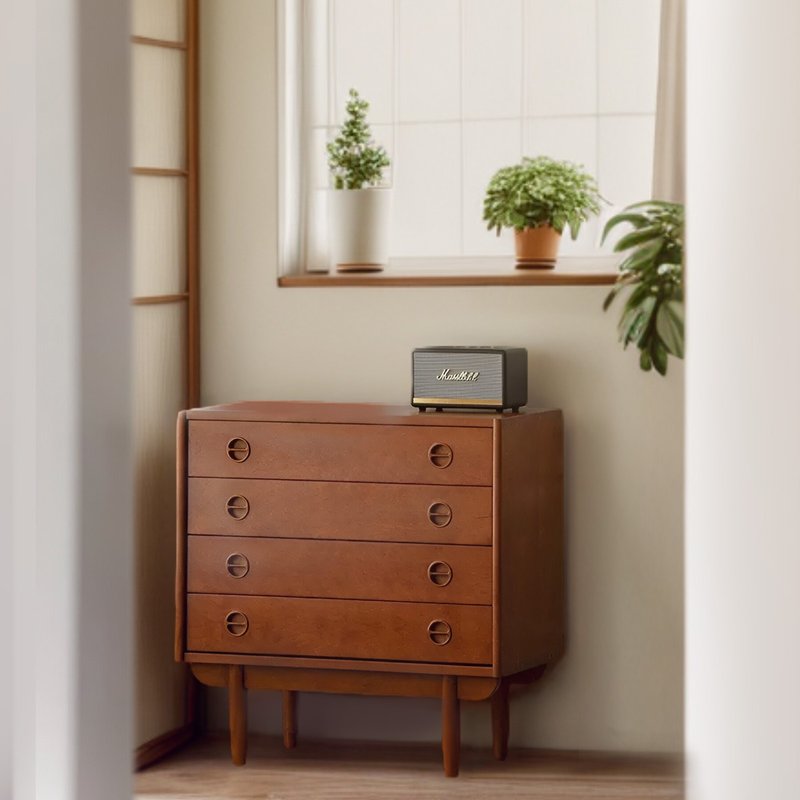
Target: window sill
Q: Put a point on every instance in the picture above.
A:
(480, 271)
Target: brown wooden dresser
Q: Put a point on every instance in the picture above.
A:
(368, 549)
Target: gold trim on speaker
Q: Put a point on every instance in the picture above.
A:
(455, 401)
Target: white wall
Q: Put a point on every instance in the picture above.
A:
(743, 396)
(65, 416)
(620, 684)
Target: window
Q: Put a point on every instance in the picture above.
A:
(458, 89)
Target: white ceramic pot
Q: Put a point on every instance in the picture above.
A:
(358, 225)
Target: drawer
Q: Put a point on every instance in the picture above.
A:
(282, 626)
(312, 451)
(352, 570)
(319, 509)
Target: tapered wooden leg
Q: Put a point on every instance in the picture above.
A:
(289, 720)
(237, 714)
(500, 721)
(451, 726)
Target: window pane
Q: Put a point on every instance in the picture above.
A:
(159, 235)
(158, 19)
(459, 89)
(159, 393)
(158, 107)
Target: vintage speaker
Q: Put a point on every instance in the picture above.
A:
(493, 378)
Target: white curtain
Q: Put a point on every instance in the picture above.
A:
(669, 163)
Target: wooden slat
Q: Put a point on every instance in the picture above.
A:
(467, 271)
(160, 298)
(193, 202)
(150, 42)
(159, 172)
(415, 667)
(336, 681)
(396, 278)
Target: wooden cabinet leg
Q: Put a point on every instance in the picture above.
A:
(451, 726)
(289, 719)
(237, 714)
(500, 721)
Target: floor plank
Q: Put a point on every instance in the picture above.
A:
(334, 771)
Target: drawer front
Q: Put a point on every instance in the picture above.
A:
(352, 570)
(451, 634)
(372, 453)
(330, 510)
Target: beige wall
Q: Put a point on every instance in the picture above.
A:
(620, 684)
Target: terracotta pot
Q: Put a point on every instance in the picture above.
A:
(537, 248)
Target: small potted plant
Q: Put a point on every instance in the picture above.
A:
(538, 198)
(652, 271)
(359, 206)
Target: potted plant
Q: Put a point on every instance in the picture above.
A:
(652, 317)
(358, 206)
(538, 198)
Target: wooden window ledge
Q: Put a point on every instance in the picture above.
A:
(491, 271)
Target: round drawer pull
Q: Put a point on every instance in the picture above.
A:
(238, 507)
(440, 632)
(237, 565)
(440, 514)
(236, 623)
(238, 449)
(440, 455)
(440, 573)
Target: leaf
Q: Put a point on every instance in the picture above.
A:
(637, 237)
(645, 362)
(644, 256)
(669, 324)
(639, 294)
(625, 324)
(659, 355)
(638, 330)
(655, 204)
(635, 320)
(622, 282)
(637, 220)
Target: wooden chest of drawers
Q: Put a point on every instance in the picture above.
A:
(369, 549)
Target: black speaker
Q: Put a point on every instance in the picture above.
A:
(493, 378)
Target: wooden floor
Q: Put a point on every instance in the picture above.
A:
(384, 772)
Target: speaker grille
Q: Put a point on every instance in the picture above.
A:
(488, 386)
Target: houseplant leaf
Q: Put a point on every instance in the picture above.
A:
(669, 324)
(653, 268)
(637, 220)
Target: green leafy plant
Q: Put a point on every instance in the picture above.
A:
(541, 191)
(354, 159)
(652, 270)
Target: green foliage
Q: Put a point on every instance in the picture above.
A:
(541, 191)
(652, 270)
(354, 159)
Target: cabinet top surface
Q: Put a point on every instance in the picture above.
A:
(354, 413)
